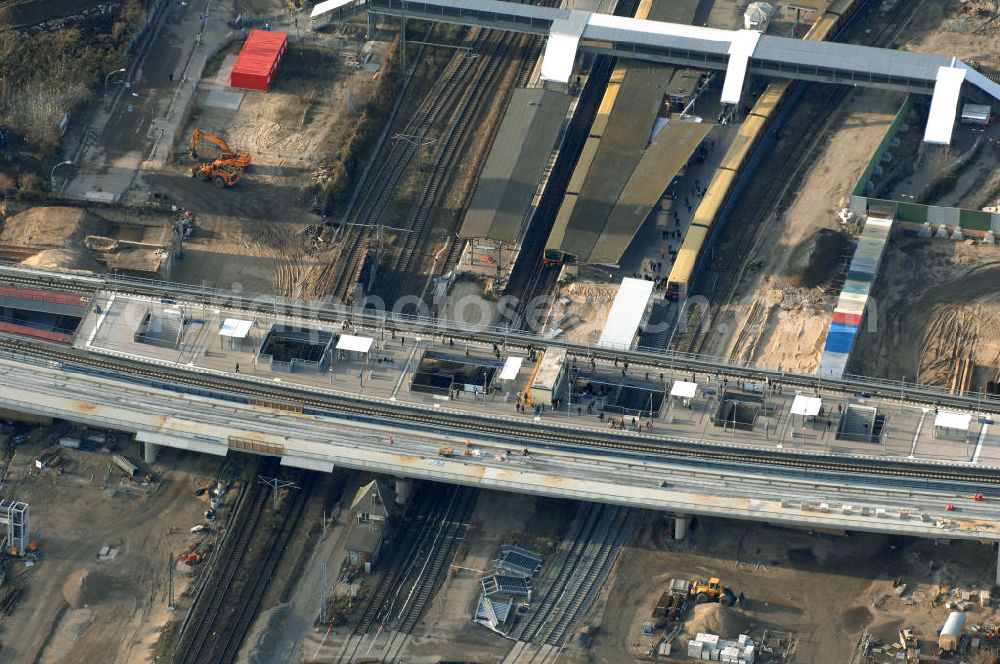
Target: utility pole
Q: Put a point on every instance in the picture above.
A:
(322, 596)
(380, 230)
(170, 581)
(277, 485)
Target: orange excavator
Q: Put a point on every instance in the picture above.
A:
(224, 170)
(226, 153)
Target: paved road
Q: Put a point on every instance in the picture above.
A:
(155, 99)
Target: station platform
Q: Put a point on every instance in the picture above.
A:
(385, 374)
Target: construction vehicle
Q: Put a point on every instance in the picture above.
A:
(446, 451)
(217, 172)
(712, 591)
(673, 603)
(226, 154)
(224, 170)
(553, 257)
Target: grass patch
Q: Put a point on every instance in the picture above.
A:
(347, 167)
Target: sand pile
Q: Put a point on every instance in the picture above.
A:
(84, 587)
(65, 259)
(585, 293)
(49, 226)
(727, 622)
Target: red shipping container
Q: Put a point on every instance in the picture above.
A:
(258, 60)
(846, 318)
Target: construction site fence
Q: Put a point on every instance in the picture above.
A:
(976, 221)
(866, 176)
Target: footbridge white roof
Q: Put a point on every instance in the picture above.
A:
(740, 50)
(563, 43)
(944, 105)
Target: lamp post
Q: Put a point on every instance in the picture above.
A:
(110, 74)
(52, 181)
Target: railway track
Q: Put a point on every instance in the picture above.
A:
(510, 431)
(234, 589)
(392, 170)
(773, 200)
(436, 561)
(192, 646)
(464, 89)
(484, 83)
(484, 79)
(414, 571)
(746, 342)
(249, 606)
(581, 568)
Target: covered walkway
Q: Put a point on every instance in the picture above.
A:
(733, 51)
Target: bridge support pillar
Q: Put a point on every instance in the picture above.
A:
(404, 488)
(681, 524)
(149, 451)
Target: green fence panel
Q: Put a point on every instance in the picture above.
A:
(974, 220)
(912, 212)
(904, 110)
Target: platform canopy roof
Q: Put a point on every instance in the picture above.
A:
(955, 421)
(354, 344)
(328, 6)
(626, 313)
(683, 389)
(511, 367)
(806, 406)
(235, 328)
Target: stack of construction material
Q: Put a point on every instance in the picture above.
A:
(258, 61)
(850, 309)
(711, 647)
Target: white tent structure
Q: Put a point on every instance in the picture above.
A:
(758, 16)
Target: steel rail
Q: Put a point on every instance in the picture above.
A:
(508, 432)
(653, 359)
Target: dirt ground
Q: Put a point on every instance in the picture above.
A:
(794, 253)
(798, 255)
(259, 236)
(74, 605)
(58, 235)
(941, 296)
(590, 301)
(825, 589)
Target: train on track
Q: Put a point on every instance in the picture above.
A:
(722, 190)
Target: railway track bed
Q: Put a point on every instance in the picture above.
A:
(231, 594)
(412, 573)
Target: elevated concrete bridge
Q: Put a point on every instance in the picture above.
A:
(360, 412)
